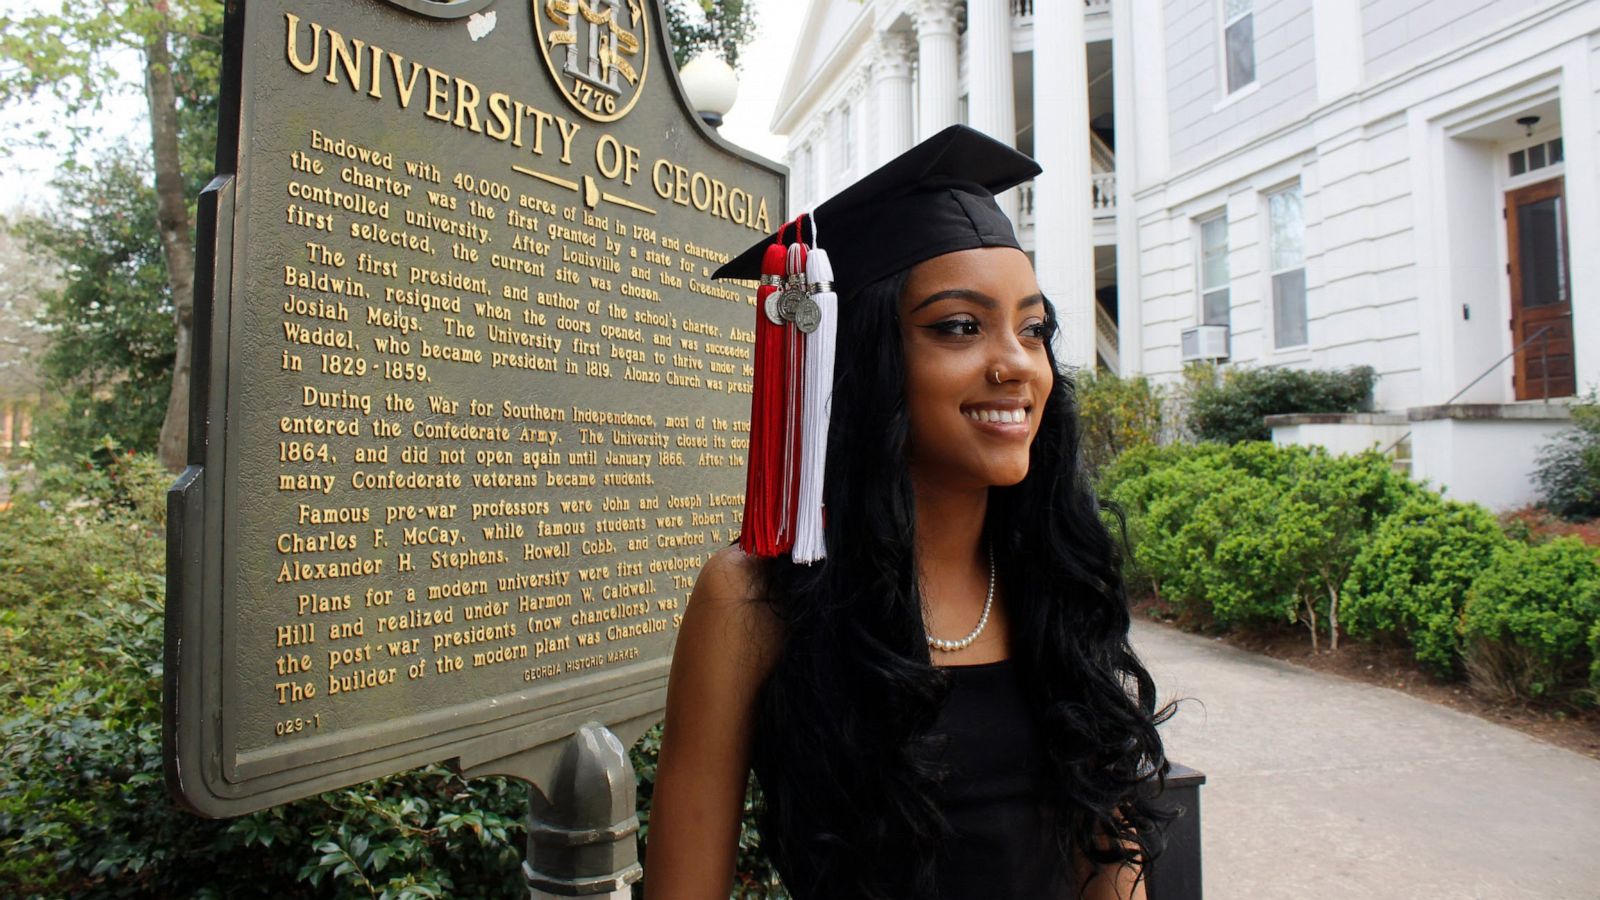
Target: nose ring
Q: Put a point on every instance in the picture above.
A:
(996, 375)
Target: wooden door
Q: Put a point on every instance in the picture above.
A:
(1541, 291)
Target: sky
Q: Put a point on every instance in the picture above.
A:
(25, 174)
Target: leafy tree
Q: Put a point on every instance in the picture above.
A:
(724, 26)
(71, 55)
(1115, 415)
(110, 357)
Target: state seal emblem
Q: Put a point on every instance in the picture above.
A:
(598, 52)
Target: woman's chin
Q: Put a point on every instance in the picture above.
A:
(1009, 476)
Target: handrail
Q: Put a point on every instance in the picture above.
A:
(1544, 350)
(1107, 340)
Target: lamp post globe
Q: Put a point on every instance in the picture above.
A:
(711, 85)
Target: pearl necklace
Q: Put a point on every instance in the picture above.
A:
(988, 604)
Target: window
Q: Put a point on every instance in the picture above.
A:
(1239, 42)
(1214, 270)
(1538, 156)
(1286, 214)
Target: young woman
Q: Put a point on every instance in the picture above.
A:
(947, 705)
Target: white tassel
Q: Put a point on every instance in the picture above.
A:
(809, 544)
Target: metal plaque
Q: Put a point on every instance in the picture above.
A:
(469, 412)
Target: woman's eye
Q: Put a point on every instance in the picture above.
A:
(1042, 331)
(959, 327)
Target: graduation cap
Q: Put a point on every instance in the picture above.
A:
(936, 198)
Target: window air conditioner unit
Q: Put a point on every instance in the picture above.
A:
(1204, 342)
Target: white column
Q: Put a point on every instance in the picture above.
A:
(937, 65)
(891, 87)
(1130, 292)
(990, 98)
(1150, 92)
(1063, 236)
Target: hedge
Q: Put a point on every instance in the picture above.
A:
(1251, 534)
(1230, 409)
(1411, 578)
(1530, 620)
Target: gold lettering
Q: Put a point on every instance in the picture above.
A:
(305, 68)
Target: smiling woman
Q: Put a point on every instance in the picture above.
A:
(946, 705)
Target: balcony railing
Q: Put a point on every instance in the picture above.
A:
(1103, 193)
(1024, 8)
(1102, 198)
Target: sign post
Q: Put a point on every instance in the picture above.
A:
(469, 412)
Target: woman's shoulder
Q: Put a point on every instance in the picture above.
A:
(730, 577)
(730, 612)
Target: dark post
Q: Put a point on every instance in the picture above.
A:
(1176, 875)
(581, 832)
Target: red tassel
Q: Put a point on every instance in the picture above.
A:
(763, 482)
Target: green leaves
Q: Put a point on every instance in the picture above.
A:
(1251, 533)
(724, 26)
(1115, 415)
(1411, 577)
(1230, 409)
(111, 349)
(1530, 619)
(81, 52)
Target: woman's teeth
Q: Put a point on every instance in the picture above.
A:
(1014, 416)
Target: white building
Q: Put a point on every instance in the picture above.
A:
(1405, 184)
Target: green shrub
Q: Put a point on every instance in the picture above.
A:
(83, 811)
(80, 533)
(1192, 512)
(1530, 620)
(1230, 409)
(1115, 415)
(1252, 533)
(1567, 475)
(1328, 512)
(1411, 577)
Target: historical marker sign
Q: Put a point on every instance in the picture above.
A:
(470, 412)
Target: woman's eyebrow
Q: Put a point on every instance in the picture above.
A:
(977, 297)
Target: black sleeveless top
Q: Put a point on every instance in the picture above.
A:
(1001, 843)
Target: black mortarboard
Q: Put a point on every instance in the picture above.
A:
(936, 198)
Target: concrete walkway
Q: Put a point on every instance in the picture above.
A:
(1319, 787)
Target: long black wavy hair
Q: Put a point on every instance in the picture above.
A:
(842, 750)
